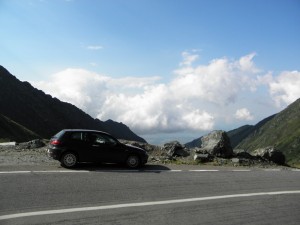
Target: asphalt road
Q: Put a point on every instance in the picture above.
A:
(156, 195)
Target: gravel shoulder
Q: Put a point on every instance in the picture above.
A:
(24, 155)
(10, 155)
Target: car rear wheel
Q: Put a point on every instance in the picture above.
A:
(133, 161)
(69, 160)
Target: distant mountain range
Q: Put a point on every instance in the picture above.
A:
(24, 108)
(281, 130)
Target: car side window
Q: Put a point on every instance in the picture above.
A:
(79, 136)
(96, 138)
(110, 139)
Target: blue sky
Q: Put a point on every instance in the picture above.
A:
(169, 69)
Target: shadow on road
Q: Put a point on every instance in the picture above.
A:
(119, 168)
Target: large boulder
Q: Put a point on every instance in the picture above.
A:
(217, 143)
(271, 154)
(174, 148)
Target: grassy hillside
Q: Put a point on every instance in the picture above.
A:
(282, 131)
(12, 131)
(236, 136)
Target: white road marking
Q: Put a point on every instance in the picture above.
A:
(271, 170)
(160, 171)
(45, 171)
(3, 172)
(60, 171)
(141, 204)
(128, 171)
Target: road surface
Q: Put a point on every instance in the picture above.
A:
(154, 195)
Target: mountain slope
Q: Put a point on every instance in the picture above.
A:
(236, 136)
(282, 131)
(45, 115)
(12, 131)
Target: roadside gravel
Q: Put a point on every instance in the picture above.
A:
(13, 155)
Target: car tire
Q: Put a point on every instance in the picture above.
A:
(133, 161)
(69, 160)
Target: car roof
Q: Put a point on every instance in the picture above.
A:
(85, 130)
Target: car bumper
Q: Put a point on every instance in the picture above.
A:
(144, 159)
(53, 153)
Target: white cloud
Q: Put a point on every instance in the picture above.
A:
(133, 82)
(195, 99)
(154, 110)
(83, 88)
(246, 63)
(285, 88)
(94, 47)
(219, 82)
(243, 114)
(198, 120)
(188, 58)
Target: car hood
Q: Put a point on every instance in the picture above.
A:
(132, 147)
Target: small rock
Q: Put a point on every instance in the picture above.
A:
(271, 154)
(235, 160)
(174, 148)
(202, 157)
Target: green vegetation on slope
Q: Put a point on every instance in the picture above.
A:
(282, 131)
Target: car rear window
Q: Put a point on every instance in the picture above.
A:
(59, 134)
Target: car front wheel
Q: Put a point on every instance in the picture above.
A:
(69, 160)
(133, 161)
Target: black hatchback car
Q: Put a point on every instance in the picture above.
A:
(71, 146)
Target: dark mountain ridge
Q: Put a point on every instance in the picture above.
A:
(45, 115)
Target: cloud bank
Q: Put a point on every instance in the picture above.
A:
(194, 99)
(285, 88)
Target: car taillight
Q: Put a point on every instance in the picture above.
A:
(55, 142)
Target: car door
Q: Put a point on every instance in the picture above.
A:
(106, 148)
(78, 142)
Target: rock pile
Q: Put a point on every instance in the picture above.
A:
(37, 143)
(216, 147)
(174, 149)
